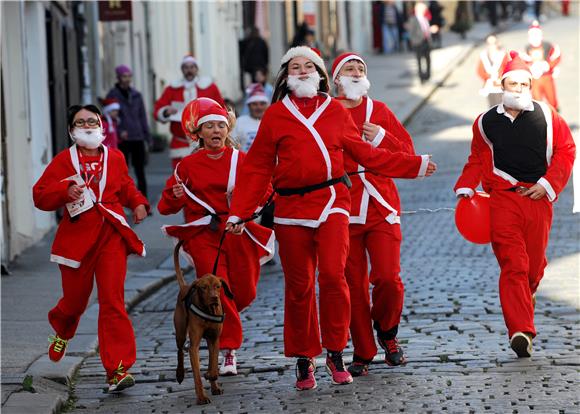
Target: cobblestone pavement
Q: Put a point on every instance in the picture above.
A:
(452, 329)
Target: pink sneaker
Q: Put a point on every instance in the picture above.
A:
(335, 367)
(305, 374)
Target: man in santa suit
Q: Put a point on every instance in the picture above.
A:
(522, 152)
(543, 58)
(299, 148)
(179, 93)
(490, 67)
(374, 222)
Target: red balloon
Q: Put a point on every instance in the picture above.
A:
(472, 218)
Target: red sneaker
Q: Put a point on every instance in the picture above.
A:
(57, 348)
(120, 380)
(305, 368)
(335, 367)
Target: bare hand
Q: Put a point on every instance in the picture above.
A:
(178, 190)
(370, 131)
(535, 192)
(139, 214)
(236, 229)
(75, 192)
(170, 111)
(463, 195)
(431, 168)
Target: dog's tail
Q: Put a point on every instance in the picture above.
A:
(178, 271)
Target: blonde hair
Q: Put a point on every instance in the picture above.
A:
(230, 141)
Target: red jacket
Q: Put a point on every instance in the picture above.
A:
(116, 190)
(543, 59)
(294, 151)
(367, 186)
(480, 167)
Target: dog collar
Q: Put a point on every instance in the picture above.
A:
(206, 316)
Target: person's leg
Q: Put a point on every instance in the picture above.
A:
(536, 234)
(298, 258)
(125, 148)
(116, 336)
(418, 55)
(386, 40)
(394, 33)
(139, 157)
(427, 53)
(361, 329)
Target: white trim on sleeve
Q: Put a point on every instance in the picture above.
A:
(465, 190)
(549, 189)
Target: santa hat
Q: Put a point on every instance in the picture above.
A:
(188, 59)
(310, 53)
(256, 93)
(340, 61)
(110, 104)
(516, 68)
(201, 110)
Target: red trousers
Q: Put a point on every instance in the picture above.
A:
(301, 250)
(520, 228)
(203, 250)
(107, 264)
(382, 241)
(544, 88)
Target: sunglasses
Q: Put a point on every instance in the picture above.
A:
(91, 122)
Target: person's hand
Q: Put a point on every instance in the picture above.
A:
(124, 135)
(434, 28)
(75, 192)
(178, 190)
(236, 229)
(535, 192)
(431, 168)
(463, 195)
(169, 111)
(139, 214)
(370, 131)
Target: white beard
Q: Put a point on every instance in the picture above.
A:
(89, 138)
(515, 100)
(354, 88)
(307, 88)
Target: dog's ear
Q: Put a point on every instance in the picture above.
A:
(227, 290)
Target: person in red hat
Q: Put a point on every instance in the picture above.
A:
(522, 153)
(374, 222)
(92, 185)
(247, 125)
(111, 107)
(201, 185)
(299, 147)
(543, 58)
(169, 107)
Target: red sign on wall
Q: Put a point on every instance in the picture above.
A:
(115, 10)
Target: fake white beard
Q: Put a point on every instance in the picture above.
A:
(307, 88)
(515, 100)
(89, 138)
(354, 88)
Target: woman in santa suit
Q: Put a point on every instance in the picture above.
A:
(93, 240)
(299, 146)
(201, 185)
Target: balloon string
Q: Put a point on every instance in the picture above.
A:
(428, 210)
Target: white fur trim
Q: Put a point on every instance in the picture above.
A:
(465, 190)
(519, 74)
(346, 59)
(233, 219)
(424, 165)
(257, 98)
(379, 137)
(180, 152)
(160, 116)
(549, 189)
(203, 82)
(64, 261)
(306, 52)
(115, 106)
(188, 59)
(211, 117)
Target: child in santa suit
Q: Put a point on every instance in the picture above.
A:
(93, 240)
(522, 153)
(300, 146)
(201, 185)
(111, 107)
(374, 222)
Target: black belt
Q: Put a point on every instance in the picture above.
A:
(285, 192)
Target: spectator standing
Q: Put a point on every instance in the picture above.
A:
(420, 37)
(437, 22)
(390, 27)
(256, 54)
(133, 131)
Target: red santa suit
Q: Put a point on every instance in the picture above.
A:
(208, 184)
(93, 245)
(536, 147)
(375, 227)
(178, 94)
(301, 143)
(489, 69)
(543, 58)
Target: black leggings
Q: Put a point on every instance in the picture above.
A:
(134, 152)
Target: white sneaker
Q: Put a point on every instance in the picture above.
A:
(229, 363)
(521, 344)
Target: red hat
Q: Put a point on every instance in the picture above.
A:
(111, 104)
(516, 67)
(201, 110)
(342, 59)
(256, 93)
(310, 53)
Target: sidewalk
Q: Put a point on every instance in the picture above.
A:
(32, 290)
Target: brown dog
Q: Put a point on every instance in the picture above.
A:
(199, 312)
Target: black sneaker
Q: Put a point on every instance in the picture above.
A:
(394, 354)
(358, 369)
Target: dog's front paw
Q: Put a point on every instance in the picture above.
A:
(203, 400)
(179, 374)
(217, 391)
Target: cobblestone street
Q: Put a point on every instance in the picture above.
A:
(452, 330)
